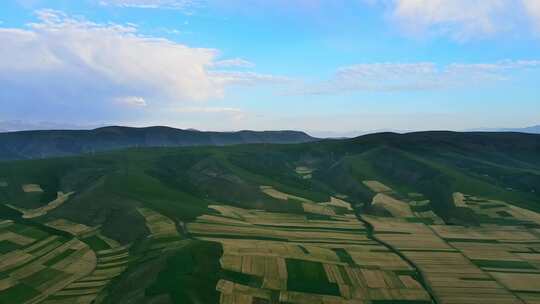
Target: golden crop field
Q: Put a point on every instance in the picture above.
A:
(396, 207)
(42, 264)
(278, 248)
(158, 224)
(75, 229)
(451, 274)
(28, 188)
(377, 186)
(32, 213)
(413, 208)
(329, 252)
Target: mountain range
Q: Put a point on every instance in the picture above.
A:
(52, 143)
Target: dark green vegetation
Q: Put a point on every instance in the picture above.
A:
(96, 243)
(18, 294)
(41, 144)
(503, 264)
(180, 183)
(188, 271)
(309, 277)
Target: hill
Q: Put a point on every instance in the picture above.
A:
(426, 217)
(53, 143)
(532, 129)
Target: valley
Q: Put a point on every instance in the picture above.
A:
(433, 217)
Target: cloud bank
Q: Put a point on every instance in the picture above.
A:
(463, 19)
(388, 77)
(88, 69)
(154, 4)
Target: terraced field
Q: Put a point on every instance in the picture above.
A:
(60, 261)
(312, 258)
(35, 264)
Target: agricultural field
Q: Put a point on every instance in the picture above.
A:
(37, 212)
(304, 258)
(304, 172)
(412, 208)
(35, 264)
(377, 220)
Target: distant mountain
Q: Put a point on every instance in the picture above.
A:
(51, 143)
(19, 125)
(532, 130)
(352, 134)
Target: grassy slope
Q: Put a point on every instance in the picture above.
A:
(182, 182)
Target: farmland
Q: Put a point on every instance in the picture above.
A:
(374, 220)
(295, 259)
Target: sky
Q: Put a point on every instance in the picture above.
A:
(322, 66)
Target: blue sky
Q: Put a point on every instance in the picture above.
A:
(313, 65)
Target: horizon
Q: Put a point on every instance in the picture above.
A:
(313, 133)
(322, 67)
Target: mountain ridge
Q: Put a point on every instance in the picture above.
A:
(52, 143)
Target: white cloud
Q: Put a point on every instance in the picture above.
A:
(110, 55)
(235, 63)
(533, 9)
(417, 76)
(462, 19)
(163, 4)
(234, 113)
(459, 18)
(248, 78)
(132, 101)
(73, 64)
(208, 110)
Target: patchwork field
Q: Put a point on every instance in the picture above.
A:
(451, 276)
(35, 264)
(300, 259)
(489, 211)
(413, 209)
(496, 262)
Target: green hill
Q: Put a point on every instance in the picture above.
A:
(109, 191)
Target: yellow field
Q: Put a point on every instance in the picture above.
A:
(377, 186)
(110, 264)
(75, 229)
(337, 202)
(307, 205)
(61, 262)
(260, 243)
(496, 209)
(158, 224)
(28, 188)
(396, 207)
(32, 213)
(519, 281)
(459, 199)
(270, 191)
(449, 272)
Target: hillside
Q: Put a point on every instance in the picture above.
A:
(43, 144)
(427, 217)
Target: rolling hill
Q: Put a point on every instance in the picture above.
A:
(51, 143)
(426, 217)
